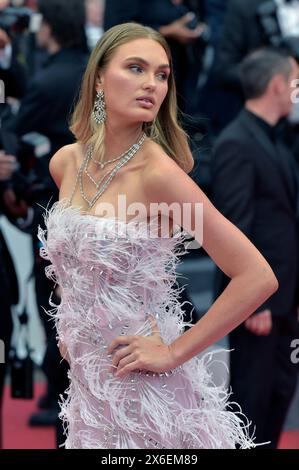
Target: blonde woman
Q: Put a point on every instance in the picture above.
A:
(135, 378)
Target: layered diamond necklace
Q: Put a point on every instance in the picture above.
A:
(105, 180)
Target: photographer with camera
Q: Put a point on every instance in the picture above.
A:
(43, 114)
(9, 292)
(14, 21)
(249, 26)
(185, 34)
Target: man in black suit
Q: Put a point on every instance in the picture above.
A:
(254, 185)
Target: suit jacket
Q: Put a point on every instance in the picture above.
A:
(254, 186)
(47, 105)
(242, 33)
(46, 108)
(154, 13)
(15, 77)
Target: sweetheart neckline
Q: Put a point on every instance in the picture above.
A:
(63, 204)
(77, 210)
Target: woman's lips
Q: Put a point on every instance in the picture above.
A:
(145, 103)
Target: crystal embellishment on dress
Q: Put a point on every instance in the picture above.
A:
(175, 410)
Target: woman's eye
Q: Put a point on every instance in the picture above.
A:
(136, 68)
(163, 76)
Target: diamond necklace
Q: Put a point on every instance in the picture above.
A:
(101, 188)
(103, 164)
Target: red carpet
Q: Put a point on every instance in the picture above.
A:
(289, 440)
(16, 432)
(18, 435)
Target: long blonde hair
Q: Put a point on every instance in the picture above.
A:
(164, 130)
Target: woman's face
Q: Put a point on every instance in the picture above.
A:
(135, 82)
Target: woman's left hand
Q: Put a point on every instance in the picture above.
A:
(141, 353)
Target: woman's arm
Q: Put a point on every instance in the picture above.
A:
(252, 279)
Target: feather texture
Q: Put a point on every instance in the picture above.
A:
(113, 275)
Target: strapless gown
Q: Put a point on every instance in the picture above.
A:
(113, 275)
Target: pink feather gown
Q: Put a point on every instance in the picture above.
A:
(112, 276)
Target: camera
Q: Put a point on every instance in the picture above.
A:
(194, 22)
(31, 151)
(15, 20)
(267, 17)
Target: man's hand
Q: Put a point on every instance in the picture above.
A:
(8, 165)
(17, 208)
(259, 324)
(179, 31)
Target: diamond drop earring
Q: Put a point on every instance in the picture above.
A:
(99, 111)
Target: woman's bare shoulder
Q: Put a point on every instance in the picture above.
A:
(159, 167)
(61, 160)
(157, 159)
